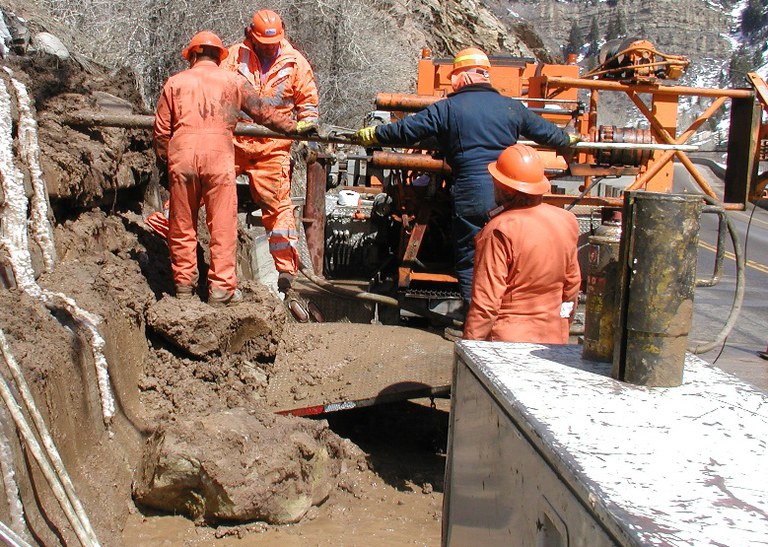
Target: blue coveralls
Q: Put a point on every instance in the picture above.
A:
(472, 127)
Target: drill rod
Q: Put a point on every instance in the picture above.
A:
(134, 121)
(89, 119)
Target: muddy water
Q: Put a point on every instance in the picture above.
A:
(396, 501)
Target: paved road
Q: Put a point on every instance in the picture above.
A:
(712, 305)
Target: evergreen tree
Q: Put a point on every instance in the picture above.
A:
(753, 17)
(757, 58)
(617, 27)
(593, 36)
(621, 25)
(740, 64)
(575, 40)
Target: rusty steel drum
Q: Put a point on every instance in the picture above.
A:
(657, 277)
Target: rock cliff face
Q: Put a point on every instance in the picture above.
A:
(707, 32)
(447, 27)
(699, 29)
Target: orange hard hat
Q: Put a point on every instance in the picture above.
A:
(202, 39)
(520, 168)
(266, 27)
(470, 57)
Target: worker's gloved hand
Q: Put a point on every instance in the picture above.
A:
(366, 136)
(573, 139)
(307, 127)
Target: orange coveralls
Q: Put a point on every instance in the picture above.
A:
(288, 85)
(196, 115)
(525, 268)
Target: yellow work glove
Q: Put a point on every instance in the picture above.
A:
(305, 127)
(366, 136)
(573, 139)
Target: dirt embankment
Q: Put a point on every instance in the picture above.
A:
(166, 370)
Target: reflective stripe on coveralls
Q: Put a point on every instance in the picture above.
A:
(289, 86)
(525, 268)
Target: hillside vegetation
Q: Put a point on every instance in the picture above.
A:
(357, 47)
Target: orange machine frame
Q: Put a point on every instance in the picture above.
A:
(558, 86)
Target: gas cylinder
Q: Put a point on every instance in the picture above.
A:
(602, 280)
(657, 275)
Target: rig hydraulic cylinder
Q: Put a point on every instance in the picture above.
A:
(657, 274)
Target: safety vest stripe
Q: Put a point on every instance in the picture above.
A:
(245, 61)
(281, 246)
(284, 232)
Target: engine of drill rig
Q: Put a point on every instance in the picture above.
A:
(357, 233)
(372, 212)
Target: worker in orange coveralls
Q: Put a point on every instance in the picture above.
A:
(526, 277)
(282, 77)
(194, 122)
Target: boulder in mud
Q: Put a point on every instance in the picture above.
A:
(253, 326)
(239, 466)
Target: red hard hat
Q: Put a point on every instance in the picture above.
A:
(520, 168)
(470, 57)
(266, 27)
(205, 38)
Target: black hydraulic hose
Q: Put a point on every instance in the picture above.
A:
(349, 293)
(373, 297)
(738, 296)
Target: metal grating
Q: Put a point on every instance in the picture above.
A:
(373, 364)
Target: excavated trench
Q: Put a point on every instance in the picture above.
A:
(160, 409)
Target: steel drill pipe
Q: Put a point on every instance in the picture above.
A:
(414, 162)
(135, 121)
(404, 102)
(89, 119)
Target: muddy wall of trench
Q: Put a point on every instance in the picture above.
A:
(99, 268)
(61, 373)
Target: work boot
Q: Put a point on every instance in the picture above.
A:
(220, 297)
(185, 292)
(284, 281)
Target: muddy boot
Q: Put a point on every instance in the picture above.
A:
(219, 297)
(284, 282)
(185, 292)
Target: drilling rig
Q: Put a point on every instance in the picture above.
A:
(382, 217)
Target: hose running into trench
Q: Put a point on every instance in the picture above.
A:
(349, 293)
(42, 231)
(16, 243)
(355, 294)
(738, 296)
(12, 495)
(54, 472)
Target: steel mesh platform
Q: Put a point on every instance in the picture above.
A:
(358, 365)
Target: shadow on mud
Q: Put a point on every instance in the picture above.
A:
(405, 441)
